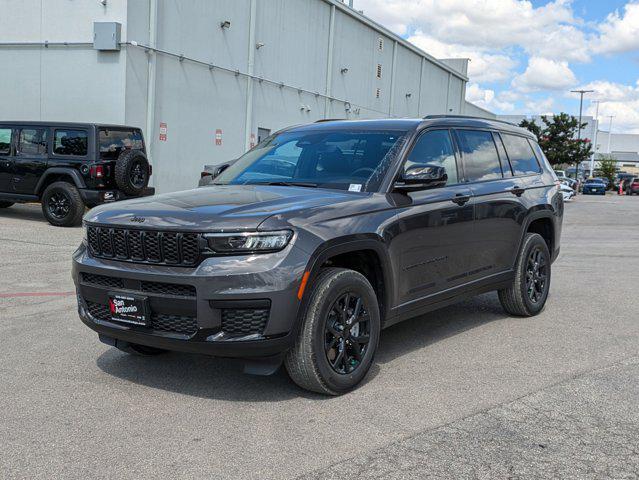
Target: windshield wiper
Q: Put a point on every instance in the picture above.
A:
(287, 184)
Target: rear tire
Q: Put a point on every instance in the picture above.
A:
(62, 205)
(5, 204)
(132, 172)
(338, 335)
(528, 292)
(139, 350)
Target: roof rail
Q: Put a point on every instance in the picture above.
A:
(321, 120)
(431, 117)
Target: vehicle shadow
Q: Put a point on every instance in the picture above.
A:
(222, 379)
(23, 212)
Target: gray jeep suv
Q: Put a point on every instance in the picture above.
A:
(303, 249)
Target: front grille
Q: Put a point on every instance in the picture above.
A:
(102, 280)
(146, 246)
(174, 323)
(182, 324)
(244, 321)
(168, 289)
(99, 311)
(140, 286)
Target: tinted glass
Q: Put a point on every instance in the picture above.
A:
(521, 155)
(480, 155)
(5, 140)
(33, 141)
(70, 142)
(435, 148)
(113, 142)
(341, 159)
(503, 158)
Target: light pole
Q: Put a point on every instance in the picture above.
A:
(581, 107)
(609, 133)
(594, 140)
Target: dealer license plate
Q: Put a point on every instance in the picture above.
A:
(128, 308)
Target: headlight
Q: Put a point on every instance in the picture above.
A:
(248, 242)
(85, 234)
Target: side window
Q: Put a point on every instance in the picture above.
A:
(505, 165)
(32, 141)
(70, 142)
(5, 141)
(435, 148)
(481, 161)
(521, 155)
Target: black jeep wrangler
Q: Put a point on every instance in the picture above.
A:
(70, 166)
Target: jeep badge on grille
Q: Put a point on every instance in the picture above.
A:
(138, 219)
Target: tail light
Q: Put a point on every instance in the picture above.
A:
(96, 171)
(205, 174)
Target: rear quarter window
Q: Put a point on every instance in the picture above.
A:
(521, 155)
(70, 142)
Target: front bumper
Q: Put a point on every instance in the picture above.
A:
(240, 307)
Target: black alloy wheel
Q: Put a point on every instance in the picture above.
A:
(59, 205)
(138, 175)
(536, 274)
(347, 333)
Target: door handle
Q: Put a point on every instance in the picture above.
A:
(517, 191)
(460, 199)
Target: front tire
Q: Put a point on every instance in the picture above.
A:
(62, 205)
(339, 334)
(528, 292)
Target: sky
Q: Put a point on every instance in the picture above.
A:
(526, 56)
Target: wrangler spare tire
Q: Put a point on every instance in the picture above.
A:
(132, 172)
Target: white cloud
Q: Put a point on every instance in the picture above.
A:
(550, 31)
(544, 74)
(619, 33)
(540, 107)
(486, 98)
(483, 66)
(616, 99)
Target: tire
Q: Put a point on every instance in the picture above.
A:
(132, 172)
(139, 350)
(308, 362)
(62, 205)
(5, 204)
(517, 299)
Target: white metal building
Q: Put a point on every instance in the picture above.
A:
(205, 79)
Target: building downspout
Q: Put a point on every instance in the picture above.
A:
(249, 81)
(329, 63)
(150, 85)
(392, 82)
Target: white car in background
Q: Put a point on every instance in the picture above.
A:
(566, 190)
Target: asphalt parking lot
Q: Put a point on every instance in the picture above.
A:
(464, 392)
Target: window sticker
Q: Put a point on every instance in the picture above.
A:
(355, 187)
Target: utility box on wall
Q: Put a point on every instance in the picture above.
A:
(106, 36)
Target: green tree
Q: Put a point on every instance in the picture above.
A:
(557, 139)
(608, 168)
(533, 127)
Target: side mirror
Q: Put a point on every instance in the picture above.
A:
(220, 169)
(421, 177)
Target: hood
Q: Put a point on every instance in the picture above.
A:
(223, 207)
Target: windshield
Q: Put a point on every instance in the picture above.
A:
(339, 159)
